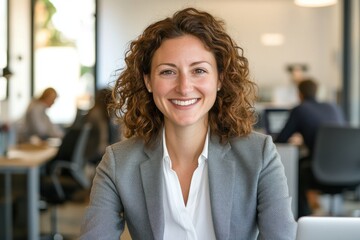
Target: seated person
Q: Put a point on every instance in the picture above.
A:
(104, 131)
(305, 119)
(36, 122)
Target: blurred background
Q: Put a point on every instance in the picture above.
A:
(78, 47)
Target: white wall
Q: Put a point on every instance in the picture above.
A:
(312, 35)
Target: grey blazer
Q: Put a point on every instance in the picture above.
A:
(248, 191)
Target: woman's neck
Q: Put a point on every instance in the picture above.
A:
(185, 145)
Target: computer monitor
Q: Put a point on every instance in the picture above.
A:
(274, 120)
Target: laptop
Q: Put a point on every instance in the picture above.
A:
(328, 228)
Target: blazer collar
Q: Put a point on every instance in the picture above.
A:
(221, 184)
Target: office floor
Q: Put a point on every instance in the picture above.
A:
(69, 217)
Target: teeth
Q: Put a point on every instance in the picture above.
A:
(184, 103)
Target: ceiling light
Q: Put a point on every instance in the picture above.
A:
(272, 39)
(315, 3)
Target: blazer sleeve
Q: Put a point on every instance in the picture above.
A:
(103, 218)
(275, 218)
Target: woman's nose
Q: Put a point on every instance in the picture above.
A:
(184, 85)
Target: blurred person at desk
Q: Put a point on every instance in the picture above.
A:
(36, 123)
(104, 131)
(192, 167)
(305, 119)
(34, 127)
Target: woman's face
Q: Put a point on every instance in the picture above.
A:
(184, 81)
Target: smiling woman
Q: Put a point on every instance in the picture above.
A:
(186, 102)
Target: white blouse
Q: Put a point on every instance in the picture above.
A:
(193, 221)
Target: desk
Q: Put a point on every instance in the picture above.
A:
(25, 158)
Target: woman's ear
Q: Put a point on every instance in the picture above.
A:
(219, 83)
(147, 82)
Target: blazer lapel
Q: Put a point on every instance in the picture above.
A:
(221, 183)
(152, 180)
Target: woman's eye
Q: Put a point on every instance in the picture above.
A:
(199, 71)
(167, 72)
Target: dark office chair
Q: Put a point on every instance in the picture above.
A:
(336, 161)
(67, 174)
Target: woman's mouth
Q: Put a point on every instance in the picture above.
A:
(184, 102)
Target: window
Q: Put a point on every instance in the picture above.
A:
(64, 53)
(4, 53)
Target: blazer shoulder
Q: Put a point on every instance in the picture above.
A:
(252, 146)
(128, 143)
(253, 139)
(132, 148)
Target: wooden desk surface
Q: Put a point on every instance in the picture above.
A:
(28, 155)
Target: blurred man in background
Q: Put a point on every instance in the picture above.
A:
(36, 123)
(305, 119)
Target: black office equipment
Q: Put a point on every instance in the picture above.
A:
(67, 174)
(274, 120)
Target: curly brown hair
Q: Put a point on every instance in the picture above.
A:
(233, 113)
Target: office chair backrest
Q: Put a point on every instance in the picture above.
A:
(71, 158)
(336, 159)
(78, 157)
